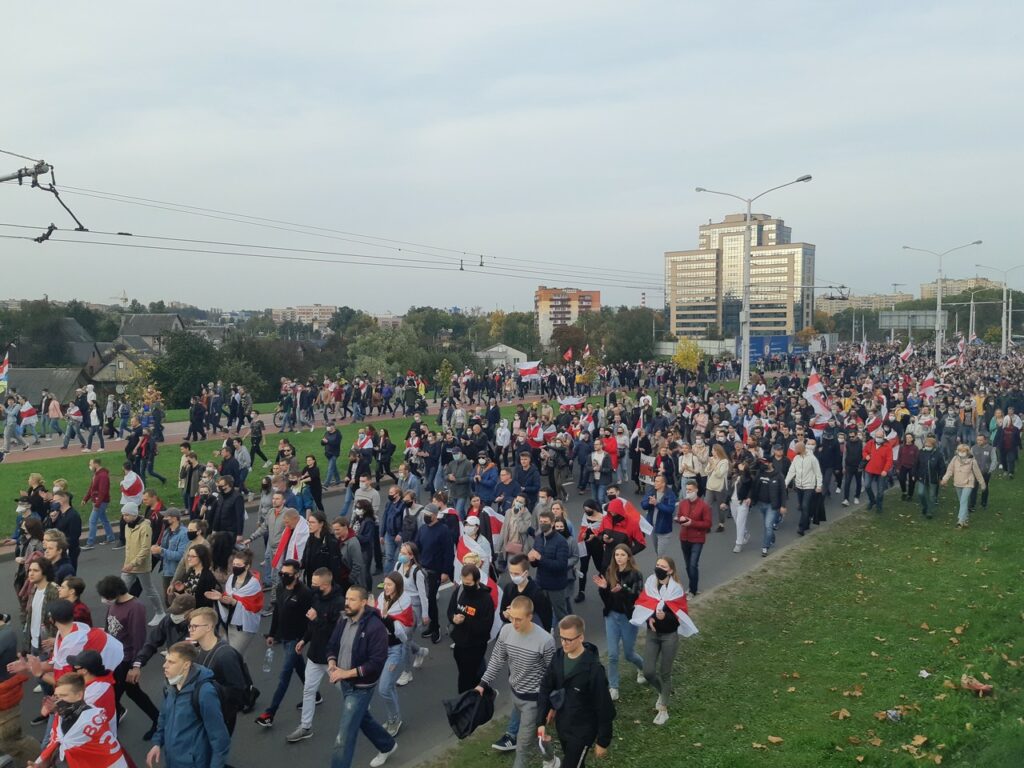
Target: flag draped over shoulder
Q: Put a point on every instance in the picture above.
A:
(668, 597)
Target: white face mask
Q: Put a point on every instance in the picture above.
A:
(177, 618)
(519, 580)
(472, 529)
(691, 496)
(176, 679)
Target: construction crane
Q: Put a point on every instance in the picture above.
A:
(123, 298)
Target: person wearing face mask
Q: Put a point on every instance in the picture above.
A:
(82, 735)
(391, 527)
(471, 614)
(126, 623)
(550, 556)
(485, 479)
(619, 588)
(170, 547)
(963, 469)
(191, 730)
(437, 556)
(195, 533)
(472, 540)
(240, 603)
(878, 455)
(906, 461)
(852, 474)
(138, 558)
(805, 473)
(173, 628)
(694, 518)
(288, 627)
(621, 525)
(662, 607)
(660, 505)
(521, 583)
(416, 587)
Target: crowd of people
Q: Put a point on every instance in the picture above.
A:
(460, 527)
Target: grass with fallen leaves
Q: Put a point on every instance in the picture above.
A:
(798, 663)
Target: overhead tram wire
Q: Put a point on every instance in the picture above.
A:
(23, 157)
(315, 256)
(378, 259)
(335, 233)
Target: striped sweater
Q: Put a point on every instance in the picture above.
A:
(527, 656)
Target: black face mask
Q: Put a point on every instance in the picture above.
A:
(134, 522)
(238, 570)
(617, 519)
(660, 574)
(287, 578)
(69, 709)
(192, 535)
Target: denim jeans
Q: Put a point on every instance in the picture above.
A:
(876, 490)
(96, 430)
(461, 505)
(617, 628)
(390, 555)
(73, 431)
(346, 506)
(691, 556)
(964, 495)
(388, 676)
(355, 716)
(333, 476)
(292, 662)
(770, 515)
(928, 496)
(96, 518)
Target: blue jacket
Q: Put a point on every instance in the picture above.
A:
(486, 485)
(369, 648)
(172, 549)
(187, 741)
(391, 523)
(332, 448)
(554, 560)
(509, 491)
(666, 510)
(529, 483)
(437, 549)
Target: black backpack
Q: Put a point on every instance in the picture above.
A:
(222, 697)
(242, 701)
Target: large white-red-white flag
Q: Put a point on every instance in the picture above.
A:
(529, 370)
(586, 351)
(927, 386)
(906, 353)
(669, 598)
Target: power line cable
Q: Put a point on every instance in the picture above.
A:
(23, 157)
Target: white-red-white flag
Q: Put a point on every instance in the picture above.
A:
(927, 386)
(529, 370)
(586, 351)
(815, 395)
(670, 597)
(906, 353)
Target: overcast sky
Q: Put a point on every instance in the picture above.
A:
(571, 134)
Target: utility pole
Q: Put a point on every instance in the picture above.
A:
(892, 331)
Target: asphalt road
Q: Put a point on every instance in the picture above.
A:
(425, 728)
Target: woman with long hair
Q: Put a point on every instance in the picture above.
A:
(718, 484)
(241, 602)
(619, 588)
(385, 451)
(662, 607)
(416, 580)
(368, 532)
(395, 607)
(311, 476)
(198, 578)
(322, 549)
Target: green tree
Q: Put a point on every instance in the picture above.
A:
(157, 307)
(233, 371)
(631, 335)
(565, 337)
(824, 323)
(519, 331)
(444, 375)
(188, 362)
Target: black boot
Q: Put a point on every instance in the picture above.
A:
(580, 597)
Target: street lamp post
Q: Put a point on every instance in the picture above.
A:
(938, 294)
(745, 311)
(1007, 323)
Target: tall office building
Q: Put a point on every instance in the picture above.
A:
(704, 287)
(561, 306)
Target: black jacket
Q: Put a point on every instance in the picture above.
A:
(541, 604)
(322, 552)
(229, 516)
(586, 711)
(290, 607)
(632, 583)
(328, 609)
(930, 466)
(477, 607)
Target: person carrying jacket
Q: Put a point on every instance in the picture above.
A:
(574, 690)
(185, 737)
(357, 651)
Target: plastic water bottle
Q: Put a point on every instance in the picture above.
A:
(268, 659)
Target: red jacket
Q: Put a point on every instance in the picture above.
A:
(611, 447)
(99, 487)
(700, 514)
(878, 457)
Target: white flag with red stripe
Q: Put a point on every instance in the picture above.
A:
(815, 395)
(400, 610)
(497, 520)
(85, 638)
(586, 351)
(670, 597)
(131, 488)
(927, 386)
(530, 370)
(88, 743)
(906, 353)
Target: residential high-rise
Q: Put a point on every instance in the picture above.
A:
(561, 306)
(952, 287)
(704, 287)
(316, 315)
(871, 301)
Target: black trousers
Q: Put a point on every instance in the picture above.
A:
(135, 693)
(469, 659)
(433, 584)
(574, 753)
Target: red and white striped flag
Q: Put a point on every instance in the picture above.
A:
(906, 353)
(815, 395)
(568, 355)
(529, 370)
(670, 597)
(927, 386)
(586, 351)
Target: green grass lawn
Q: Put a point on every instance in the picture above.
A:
(74, 467)
(796, 663)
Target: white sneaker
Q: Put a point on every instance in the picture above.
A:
(846, 502)
(614, 693)
(660, 703)
(156, 619)
(746, 536)
(420, 658)
(662, 717)
(554, 762)
(640, 679)
(856, 499)
(403, 679)
(738, 548)
(382, 757)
